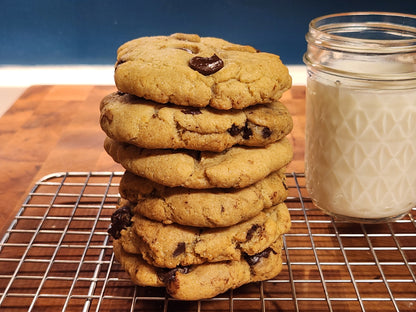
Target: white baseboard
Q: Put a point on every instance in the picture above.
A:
(15, 79)
(24, 76)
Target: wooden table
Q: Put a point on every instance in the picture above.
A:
(56, 129)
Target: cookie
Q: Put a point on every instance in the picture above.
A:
(236, 167)
(127, 118)
(205, 280)
(173, 245)
(141, 273)
(202, 208)
(189, 70)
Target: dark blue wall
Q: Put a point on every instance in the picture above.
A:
(89, 32)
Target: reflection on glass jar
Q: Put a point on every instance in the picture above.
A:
(360, 157)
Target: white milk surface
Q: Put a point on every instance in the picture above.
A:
(361, 150)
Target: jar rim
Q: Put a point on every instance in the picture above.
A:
(360, 32)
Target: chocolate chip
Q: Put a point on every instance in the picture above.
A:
(120, 219)
(247, 132)
(206, 65)
(252, 260)
(191, 111)
(266, 132)
(169, 275)
(251, 231)
(234, 130)
(180, 249)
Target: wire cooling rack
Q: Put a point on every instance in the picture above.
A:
(56, 256)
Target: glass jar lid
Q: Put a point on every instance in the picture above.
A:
(365, 32)
(364, 45)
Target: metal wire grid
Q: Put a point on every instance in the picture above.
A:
(57, 256)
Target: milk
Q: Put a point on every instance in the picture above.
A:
(360, 157)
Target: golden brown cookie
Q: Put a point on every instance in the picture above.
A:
(173, 245)
(202, 208)
(205, 280)
(185, 69)
(127, 118)
(236, 167)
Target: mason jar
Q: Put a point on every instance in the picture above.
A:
(360, 152)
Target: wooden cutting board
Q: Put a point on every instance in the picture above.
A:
(56, 129)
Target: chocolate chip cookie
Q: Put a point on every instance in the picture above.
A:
(127, 118)
(189, 70)
(173, 245)
(236, 167)
(202, 208)
(205, 280)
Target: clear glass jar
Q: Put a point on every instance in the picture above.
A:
(360, 153)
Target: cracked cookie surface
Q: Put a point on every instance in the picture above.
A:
(127, 118)
(202, 208)
(236, 167)
(163, 69)
(173, 245)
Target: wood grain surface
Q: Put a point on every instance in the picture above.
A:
(56, 129)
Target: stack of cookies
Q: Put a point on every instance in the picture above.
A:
(199, 129)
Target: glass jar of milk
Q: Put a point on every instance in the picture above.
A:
(360, 153)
